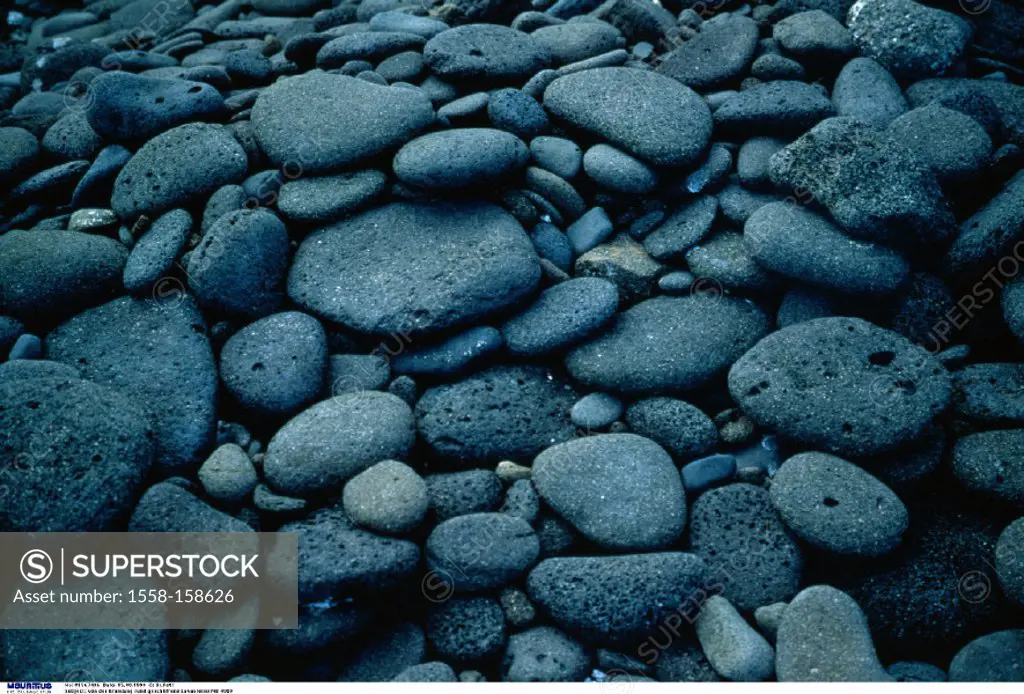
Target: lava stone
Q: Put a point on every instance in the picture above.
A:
(276, 365)
(485, 52)
(388, 497)
(865, 91)
(162, 175)
(51, 275)
(517, 112)
(454, 494)
(239, 267)
(460, 158)
(294, 122)
(992, 462)
(410, 269)
(648, 115)
(814, 36)
(824, 637)
(778, 108)
(503, 413)
(679, 427)
(734, 649)
(575, 41)
(544, 654)
(482, 551)
(558, 155)
(668, 344)
(996, 657)
(19, 149)
(596, 411)
(911, 40)
(131, 108)
(228, 475)
(754, 556)
(386, 655)
(1010, 561)
(954, 145)
(155, 252)
(75, 455)
(872, 184)
(562, 316)
(167, 508)
(334, 440)
(467, 629)
(615, 600)
(454, 355)
(621, 491)
(370, 565)
(838, 507)
(683, 229)
(861, 389)
(326, 199)
(157, 353)
(805, 246)
(717, 56)
(58, 654)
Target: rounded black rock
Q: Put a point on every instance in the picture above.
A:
(454, 494)
(516, 112)
(466, 629)
(162, 175)
(134, 108)
(482, 551)
(336, 439)
(838, 507)
(616, 600)
(503, 413)
(679, 427)
(953, 144)
(695, 339)
(562, 316)
(277, 364)
(992, 463)
(51, 275)
(648, 115)
(460, 158)
(544, 654)
(156, 352)
(388, 498)
(748, 549)
(154, 252)
(485, 51)
(807, 247)
(861, 390)
(239, 267)
(988, 393)
(621, 491)
(76, 455)
(411, 251)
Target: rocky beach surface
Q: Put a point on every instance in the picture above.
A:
(579, 340)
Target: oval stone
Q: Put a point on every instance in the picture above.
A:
(842, 385)
(296, 120)
(668, 344)
(460, 158)
(485, 51)
(334, 440)
(415, 268)
(620, 490)
(164, 172)
(653, 117)
(838, 507)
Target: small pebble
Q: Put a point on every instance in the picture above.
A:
(596, 411)
(228, 475)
